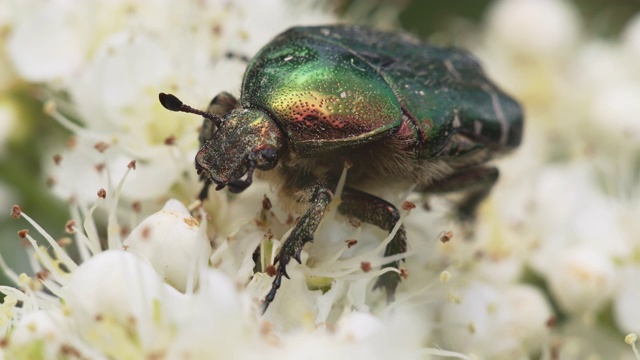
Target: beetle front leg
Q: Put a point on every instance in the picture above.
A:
(220, 106)
(373, 210)
(477, 182)
(301, 234)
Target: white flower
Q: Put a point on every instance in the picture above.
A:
(618, 104)
(581, 279)
(118, 304)
(46, 328)
(581, 215)
(568, 209)
(60, 55)
(538, 28)
(625, 305)
(496, 323)
(173, 242)
(116, 293)
(112, 58)
(563, 211)
(216, 322)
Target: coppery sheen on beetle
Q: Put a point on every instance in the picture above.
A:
(399, 111)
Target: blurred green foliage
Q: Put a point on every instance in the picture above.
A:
(426, 17)
(21, 171)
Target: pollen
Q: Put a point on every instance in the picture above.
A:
(191, 222)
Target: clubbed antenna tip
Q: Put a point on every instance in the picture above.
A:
(171, 102)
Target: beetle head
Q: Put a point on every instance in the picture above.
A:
(245, 140)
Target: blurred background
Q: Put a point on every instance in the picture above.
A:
(573, 64)
(26, 133)
(424, 18)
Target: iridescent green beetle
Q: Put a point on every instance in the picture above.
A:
(398, 110)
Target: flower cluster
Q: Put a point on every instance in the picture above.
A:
(567, 198)
(186, 281)
(103, 64)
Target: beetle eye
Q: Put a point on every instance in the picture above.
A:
(267, 158)
(268, 154)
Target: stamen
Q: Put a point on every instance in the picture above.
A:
(631, 340)
(8, 271)
(16, 294)
(445, 353)
(89, 238)
(337, 198)
(114, 236)
(355, 261)
(43, 258)
(50, 108)
(346, 274)
(60, 253)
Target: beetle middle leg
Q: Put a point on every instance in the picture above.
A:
(237, 56)
(476, 182)
(302, 233)
(373, 210)
(220, 105)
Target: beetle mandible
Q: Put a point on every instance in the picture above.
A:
(400, 111)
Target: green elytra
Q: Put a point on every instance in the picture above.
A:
(396, 110)
(329, 87)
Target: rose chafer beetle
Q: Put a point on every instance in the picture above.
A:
(400, 111)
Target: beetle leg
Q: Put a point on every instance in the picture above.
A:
(204, 192)
(220, 105)
(477, 182)
(373, 210)
(302, 233)
(236, 56)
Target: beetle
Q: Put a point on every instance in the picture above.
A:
(400, 111)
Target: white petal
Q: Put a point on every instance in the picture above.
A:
(44, 47)
(118, 90)
(517, 23)
(581, 279)
(77, 175)
(358, 326)
(484, 323)
(531, 315)
(581, 215)
(116, 288)
(214, 323)
(616, 109)
(174, 245)
(626, 302)
(38, 329)
(152, 177)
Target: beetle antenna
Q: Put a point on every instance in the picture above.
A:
(171, 102)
